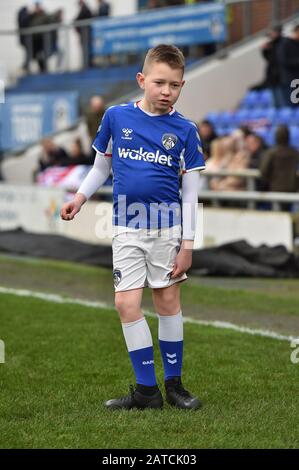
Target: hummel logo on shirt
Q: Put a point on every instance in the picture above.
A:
(127, 133)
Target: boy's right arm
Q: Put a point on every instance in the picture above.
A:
(93, 181)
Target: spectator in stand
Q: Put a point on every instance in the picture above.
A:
(270, 52)
(207, 134)
(217, 161)
(94, 115)
(24, 17)
(39, 18)
(280, 164)
(289, 64)
(174, 3)
(52, 155)
(152, 4)
(104, 8)
(255, 147)
(231, 158)
(77, 155)
(84, 32)
(43, 44)
(56, 17)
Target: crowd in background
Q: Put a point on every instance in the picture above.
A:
(36, 47)
(150, 4)
(40, 47)
(244, 149)
(53, 155)
(241, 149)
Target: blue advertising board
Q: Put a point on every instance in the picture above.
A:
(184, 25)
(27, 118)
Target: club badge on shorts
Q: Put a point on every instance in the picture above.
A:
(116, 277)
(169, 141)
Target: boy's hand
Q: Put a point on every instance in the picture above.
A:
(183, 260)
(70, 209)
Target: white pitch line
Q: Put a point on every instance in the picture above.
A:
(88, 303)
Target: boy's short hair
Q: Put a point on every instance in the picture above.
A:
(168, 54)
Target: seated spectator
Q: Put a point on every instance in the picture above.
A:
(232, 159)
(255, 146)
(52, 155)
(77, 155)
(280, 164)
(217, 161)
(207, 134)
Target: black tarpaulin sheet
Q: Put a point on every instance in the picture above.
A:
(231, 259)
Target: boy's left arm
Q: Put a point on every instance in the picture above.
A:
(190, 187)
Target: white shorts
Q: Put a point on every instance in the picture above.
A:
(145, 259)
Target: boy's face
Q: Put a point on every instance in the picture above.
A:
(162, 86)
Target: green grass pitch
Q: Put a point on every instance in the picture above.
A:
(64, 361)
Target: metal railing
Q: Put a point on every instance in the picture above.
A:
(249, 175)
(250, 198)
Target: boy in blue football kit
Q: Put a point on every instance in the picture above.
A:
(147, 144)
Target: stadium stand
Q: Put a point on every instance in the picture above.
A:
(258, 113)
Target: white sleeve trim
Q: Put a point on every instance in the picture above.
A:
(108, 151)
(190, 187)
(197, 168)
(97, 175)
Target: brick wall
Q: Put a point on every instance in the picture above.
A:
(260, 13)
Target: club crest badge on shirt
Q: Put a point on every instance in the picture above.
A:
(169, 141)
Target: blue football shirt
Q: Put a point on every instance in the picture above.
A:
(148, 154)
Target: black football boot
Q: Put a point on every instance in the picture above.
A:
(136, 399)
(178, 396)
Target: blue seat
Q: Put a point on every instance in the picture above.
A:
(296, 115)
(269, 136)
(257, 113)
(242, 115)
(250, 100)
(266, 98)
(213, 117)
(284, 116)
(294, 136)
(227, 118)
